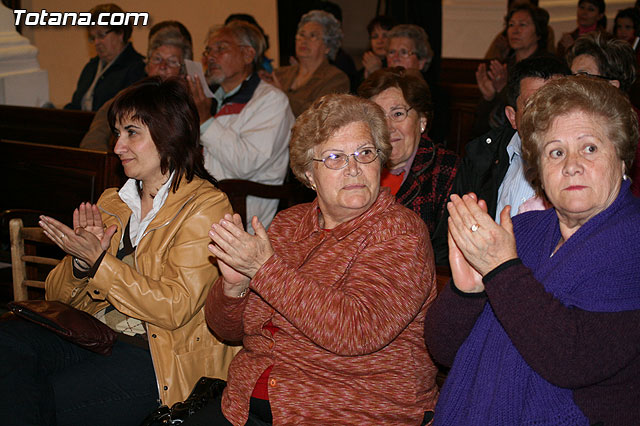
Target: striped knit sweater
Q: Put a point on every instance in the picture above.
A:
(349, 304)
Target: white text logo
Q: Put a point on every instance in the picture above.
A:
(45, 18)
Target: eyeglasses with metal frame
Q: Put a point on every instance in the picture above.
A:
(339, 160)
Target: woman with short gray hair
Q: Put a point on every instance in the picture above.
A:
(171, 36)
(409, 47)
(318, 39)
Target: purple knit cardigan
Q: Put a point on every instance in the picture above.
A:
(597, 269)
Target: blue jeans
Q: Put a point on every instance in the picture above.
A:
(46, 380)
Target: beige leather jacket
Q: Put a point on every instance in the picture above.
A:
(168, 287)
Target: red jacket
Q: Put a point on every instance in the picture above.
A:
(350, 305)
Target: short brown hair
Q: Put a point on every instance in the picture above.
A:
(565, 95)
(166, 107)
(324, 118)
(414, 89)
(615, 59)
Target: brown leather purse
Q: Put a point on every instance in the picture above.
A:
(68, 322)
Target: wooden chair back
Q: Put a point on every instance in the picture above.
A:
(25, 264)
(237, 190)
(54, 179)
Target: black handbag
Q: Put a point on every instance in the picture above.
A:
(67, 322)
(206, 389)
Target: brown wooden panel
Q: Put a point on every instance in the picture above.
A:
(459, 71)
(44, 125)
(463, 99)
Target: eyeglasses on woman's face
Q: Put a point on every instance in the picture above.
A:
(398, 114)
(170, 62)
(99, 35)
(339, 160)
(312, 36)
(602, 77)
(403, 53)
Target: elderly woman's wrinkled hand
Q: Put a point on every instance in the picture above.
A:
(236, 248)
(484, 243)
(465, 277)
(80, 243)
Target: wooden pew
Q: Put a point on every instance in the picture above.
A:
(44, 125)
(458, 84)
(54, 179)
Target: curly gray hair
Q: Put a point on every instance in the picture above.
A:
(420, 40)
(332, 32)
(171, 36)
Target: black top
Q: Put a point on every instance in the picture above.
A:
(126, 70)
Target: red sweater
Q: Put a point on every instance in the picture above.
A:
(349, 304)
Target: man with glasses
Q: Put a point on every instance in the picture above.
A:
(116, 66)
(244, 129)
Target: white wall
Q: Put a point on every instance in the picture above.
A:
(64, 51)
(470, 25)
(468, 28)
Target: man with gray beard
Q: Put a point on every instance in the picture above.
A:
(244, 129)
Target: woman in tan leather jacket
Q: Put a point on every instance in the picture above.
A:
(138, 261)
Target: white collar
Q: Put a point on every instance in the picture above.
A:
(131, 197)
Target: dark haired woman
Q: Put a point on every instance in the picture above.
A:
(590, 17)
(376, 57)
(499, 49)
(116, 65)
(527, 32)
(627, 27)
(138, 261)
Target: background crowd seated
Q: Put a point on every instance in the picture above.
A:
(450, 134)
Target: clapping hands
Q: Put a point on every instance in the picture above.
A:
(477, 244)
(88, 238)
(240, 255)
(491, 80)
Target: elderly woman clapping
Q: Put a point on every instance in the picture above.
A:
(330, 303)
(543, 312)
(318, 39)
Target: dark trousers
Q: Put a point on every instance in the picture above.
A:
(46, 380)
(211, 414)
(259, 415)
